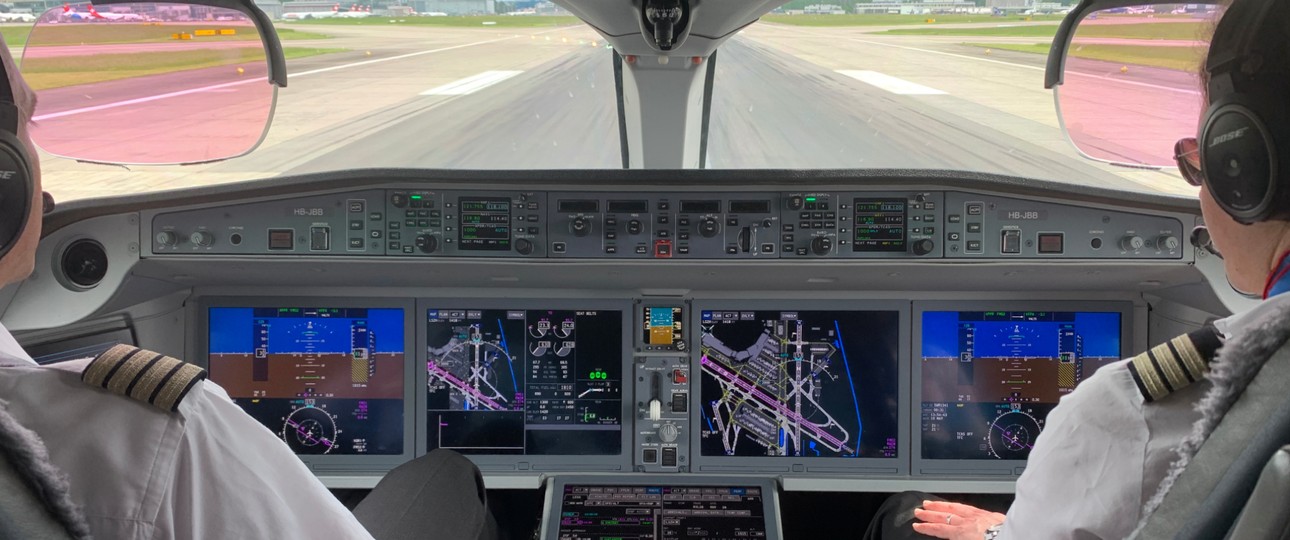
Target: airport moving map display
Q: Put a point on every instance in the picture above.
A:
(533, 382)
(990, 378)
(326, 380)
(800, 383)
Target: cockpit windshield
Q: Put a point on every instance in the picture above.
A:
(525, 85)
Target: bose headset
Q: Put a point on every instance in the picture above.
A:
(15, 171)
(1245, 141)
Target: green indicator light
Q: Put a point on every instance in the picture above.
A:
(810, 199)
(416, 197)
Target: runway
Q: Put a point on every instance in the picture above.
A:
(785, 97)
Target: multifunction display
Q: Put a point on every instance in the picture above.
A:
(663, 326)
(536, 382)
(326, 380)
(880, 225)
(800, 383)
(990, 378)
(485, 224)
(661, 512)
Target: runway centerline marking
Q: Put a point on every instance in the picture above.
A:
(891, 84)
(471, 84)
(168, 95)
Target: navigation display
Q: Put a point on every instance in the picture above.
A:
(485, 224)
(326, 380)
(800, 383)
(663, 512)
(533, 382)
(989, 379)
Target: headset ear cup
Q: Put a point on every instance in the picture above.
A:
(1239, 161)
(15, 191)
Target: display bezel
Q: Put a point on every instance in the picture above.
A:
(804, 466)
(555, 495)
(990, 467)
(531, 464)
(346, 463)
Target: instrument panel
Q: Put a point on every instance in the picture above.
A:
(650, 225)
(688, 385)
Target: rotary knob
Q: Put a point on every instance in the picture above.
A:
(709, 227)
(523, 247)
(580, 227)
(923, 247)
(1132, 243)
(427, 243)
(1168, 242)
(821, 245)
(202, 238)
(167, 238)
(668, 433)
(634, 227)
(795, 203)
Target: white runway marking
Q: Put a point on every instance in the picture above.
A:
(890, 84)
(470, 85)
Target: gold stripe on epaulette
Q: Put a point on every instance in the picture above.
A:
(1191, 357)
(142, 375)
(1171, 366)
(1150, 377)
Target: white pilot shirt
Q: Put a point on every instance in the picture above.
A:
(208, 471)
(1104, 452)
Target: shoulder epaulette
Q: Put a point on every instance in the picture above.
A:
(1175, 364)
(143, 375)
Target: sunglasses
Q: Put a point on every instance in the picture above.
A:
(1187, 153)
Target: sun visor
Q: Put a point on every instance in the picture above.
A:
(152, 83)
(1126, 78)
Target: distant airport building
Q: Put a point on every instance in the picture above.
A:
(918, 8)
(272, 8)
(309, 6)
(1014, 4)
(824, 9)
(455, 7)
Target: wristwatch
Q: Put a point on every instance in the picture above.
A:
(993, 531)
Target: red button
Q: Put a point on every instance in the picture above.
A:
(679, 376)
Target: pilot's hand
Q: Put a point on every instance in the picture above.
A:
(954, 521)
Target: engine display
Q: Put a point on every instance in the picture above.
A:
(531, 382)
(326, 380)
(800, 383)
(989, 379)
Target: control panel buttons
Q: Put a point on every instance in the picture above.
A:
(523, 246)
(668, 433)
(1010, 243)
(795, 202)
(580, 226)
(924, 247)
(167, 238)
(634, 227)
(821, 245)
(650, 455)
(202, 238)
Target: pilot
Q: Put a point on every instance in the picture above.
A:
(184, 461)
(1111, 443)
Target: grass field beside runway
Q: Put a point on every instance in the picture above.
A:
(1177, 58)
(104, 34)
(62, 71)
(498, 21)
(1172, 31)
(897, 20)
